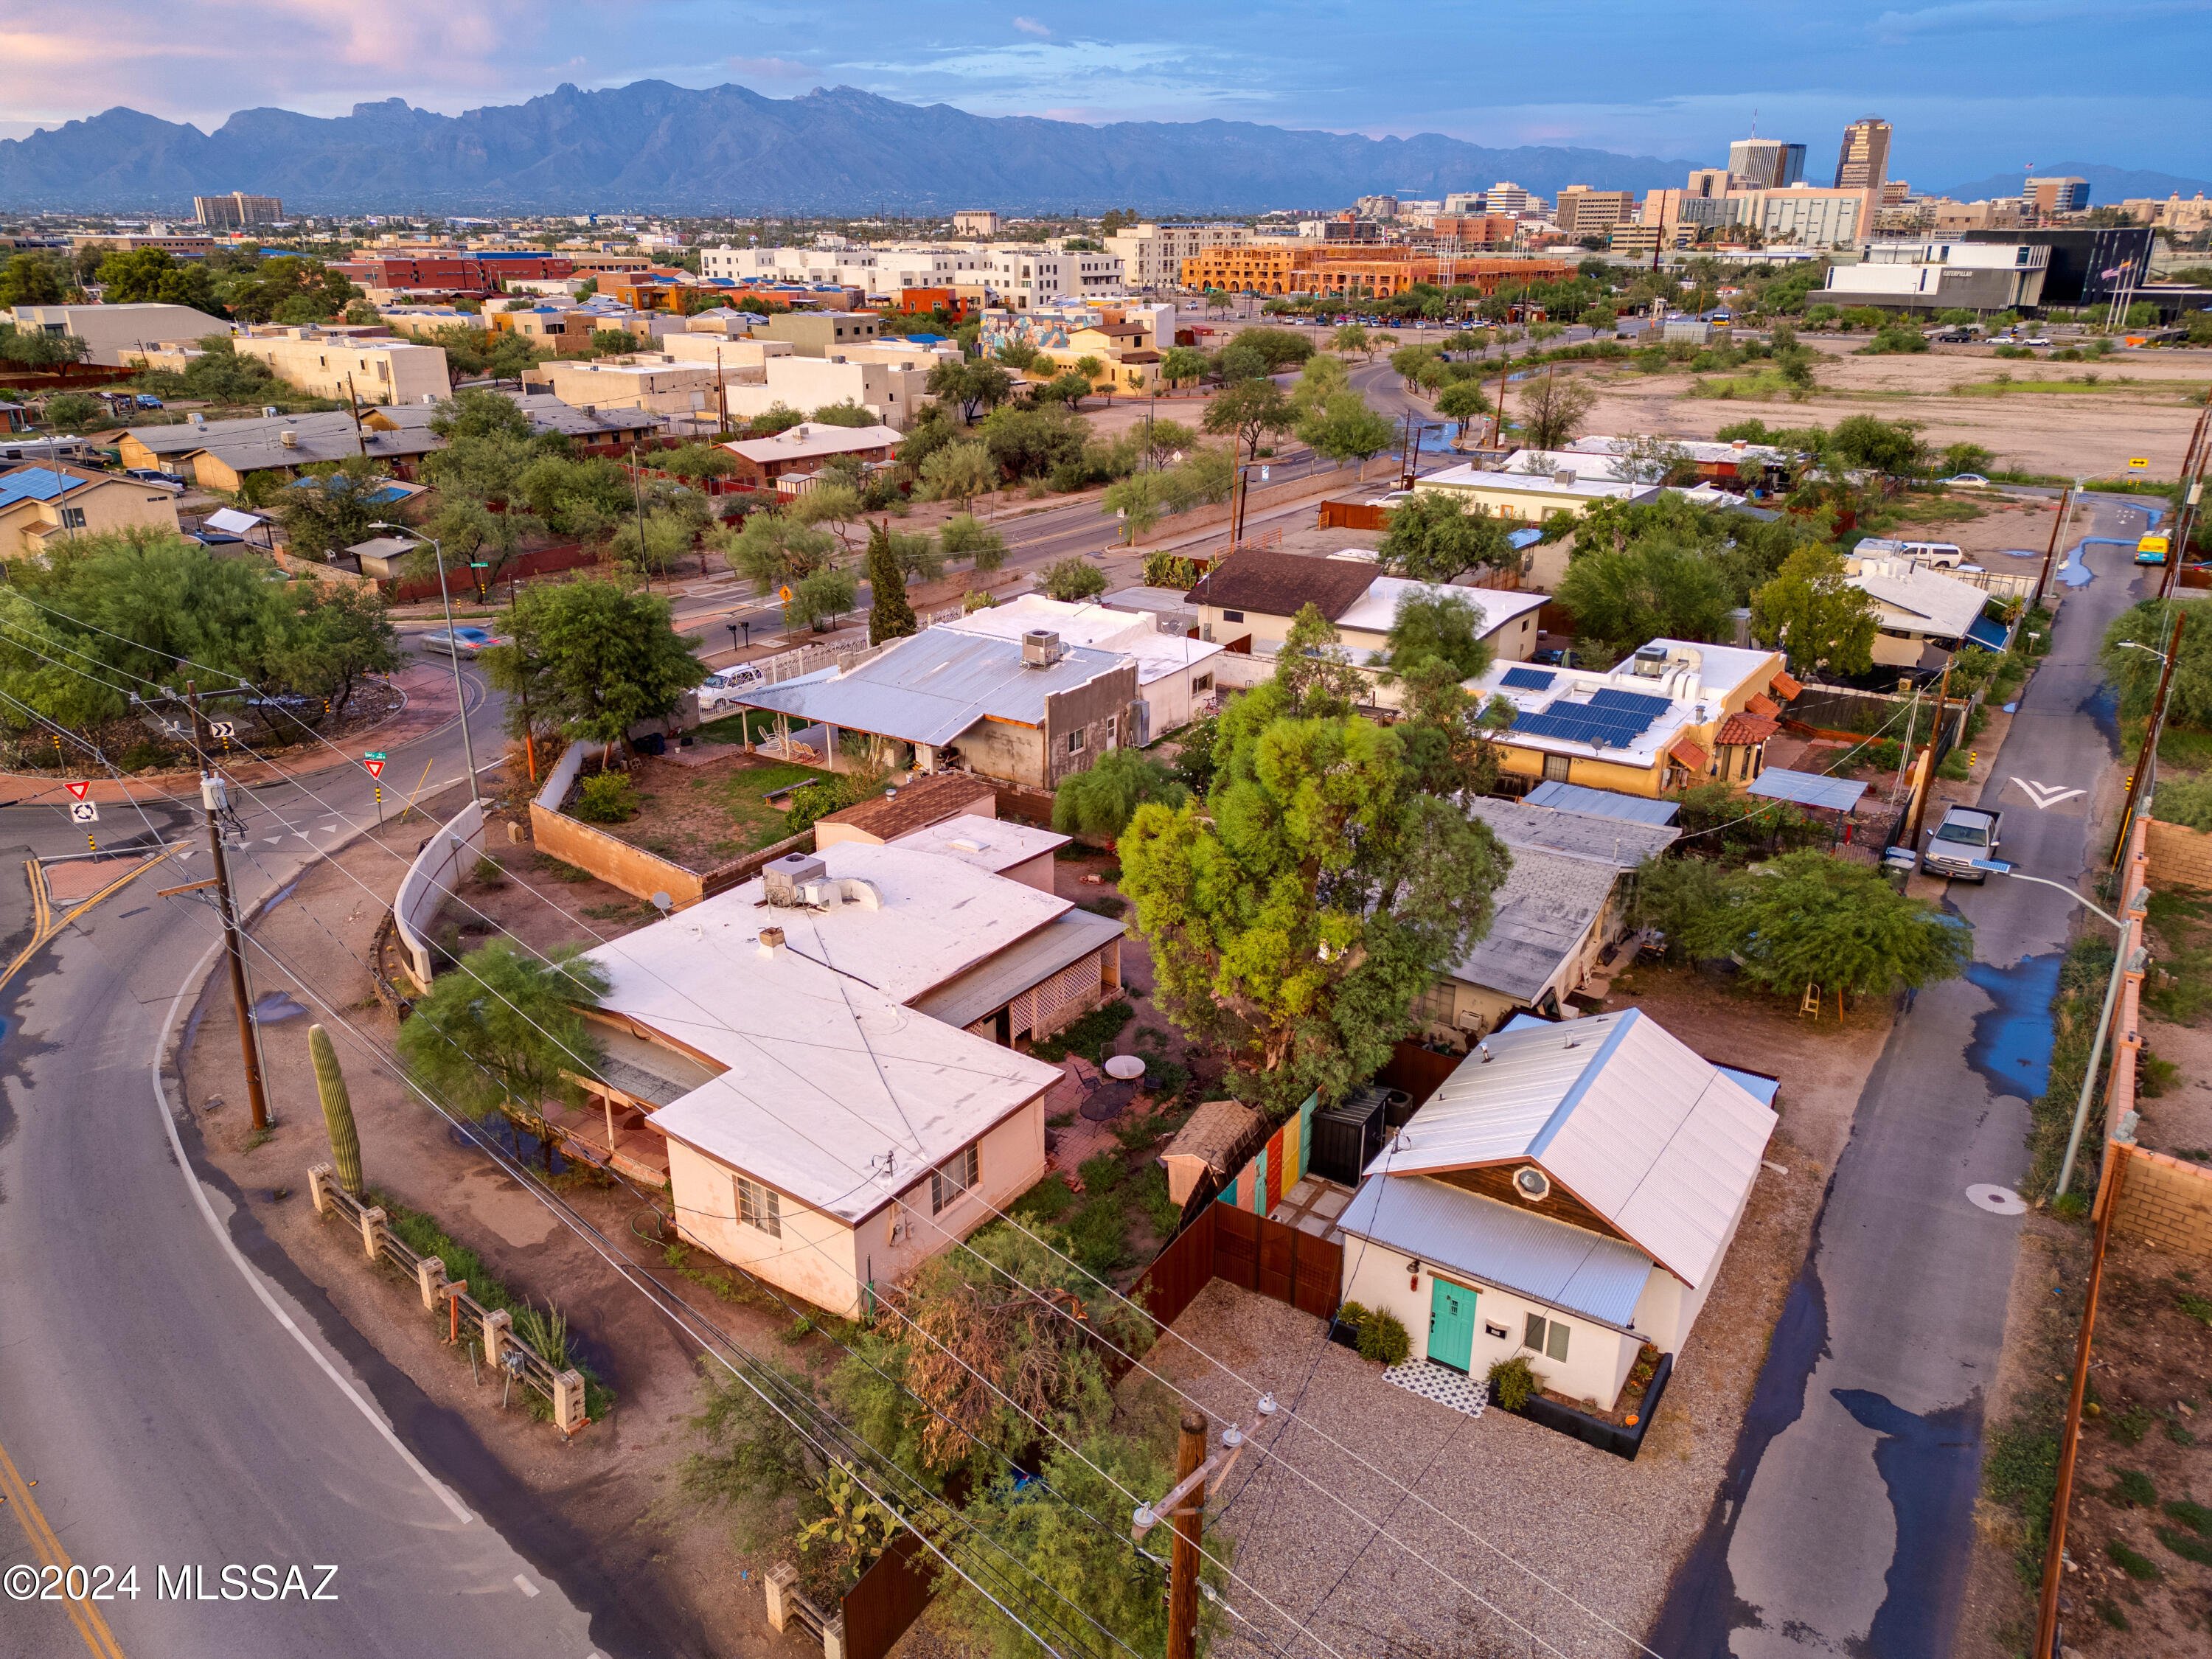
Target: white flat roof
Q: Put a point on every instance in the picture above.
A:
(993, 844)
(1097, 627)
(1470, 477)
(1378, 608)
(1722, 671)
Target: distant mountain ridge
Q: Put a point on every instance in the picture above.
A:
(2108, 187)
(652, 146)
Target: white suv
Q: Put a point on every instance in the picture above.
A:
(719, 690)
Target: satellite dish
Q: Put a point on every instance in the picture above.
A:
(662, 902)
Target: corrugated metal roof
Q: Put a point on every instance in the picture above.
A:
(1807, 789)
(1618, 839)
(989, 986)
(1601, 803)
(933, 686)
(1631, 1120)
(1566, 1268)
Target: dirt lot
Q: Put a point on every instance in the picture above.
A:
(1556, 1505)
(2137, 406)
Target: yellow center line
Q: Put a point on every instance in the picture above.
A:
(43, 923)
(83, 1613)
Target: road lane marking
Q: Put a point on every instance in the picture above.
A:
(525, 1585)
(2044, 796)
(48, 1548)
(45, 925)
(438, 1488)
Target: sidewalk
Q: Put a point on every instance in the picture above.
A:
(427, 688)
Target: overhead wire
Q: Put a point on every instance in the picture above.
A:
(954, 1240)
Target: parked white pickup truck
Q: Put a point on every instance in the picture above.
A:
(1966, 834)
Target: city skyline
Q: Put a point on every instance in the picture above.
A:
(1970, 89)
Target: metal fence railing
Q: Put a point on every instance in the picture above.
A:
(467, 1319)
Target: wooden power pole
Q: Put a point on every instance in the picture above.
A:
(2043, 578)
(1935, 742)
(1189, 1518)
(214, 798)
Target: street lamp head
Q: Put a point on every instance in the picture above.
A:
(2138, 645)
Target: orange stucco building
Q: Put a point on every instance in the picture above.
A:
(1381, 270)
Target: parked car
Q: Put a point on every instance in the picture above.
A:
(2152, 549)
(2038, 340)
(152, 475)
(1964, 478)
(147, 400)
(1966, 834)
(1955, 337)
(1555, 660)
(719, 691)
(462, 641)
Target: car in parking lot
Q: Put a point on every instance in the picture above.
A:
(147, 400)
(461, 642)
(153, 475)
(1955, 337)
(1968, 478)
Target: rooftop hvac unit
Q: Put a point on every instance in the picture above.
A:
(1563, 475)
(782, 878)
(288, 438)
(1041, 647)
(1649, 661)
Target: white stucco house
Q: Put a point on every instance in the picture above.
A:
(1569, 1193)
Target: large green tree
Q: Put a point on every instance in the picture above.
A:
(1811, 610)
(1100, 801)
(2189, 700)
(153, 275)
(1439, 623)
(1659, 589)
(1433, 538)
(890, 616)
(593, 658)
(1343, 428)
(1293, 919)
(1247, 410)
(1809, 919)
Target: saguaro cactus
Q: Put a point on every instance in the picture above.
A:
(338, 1110)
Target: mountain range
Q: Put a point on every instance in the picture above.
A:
(653, 147)
(2108, 187)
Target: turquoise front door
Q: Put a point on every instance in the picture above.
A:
(1451, 1324)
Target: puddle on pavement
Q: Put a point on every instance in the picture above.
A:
(277, 1007)
(2011, 1043)
(1929, 1465)
(517, 1143)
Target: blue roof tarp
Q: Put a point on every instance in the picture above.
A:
(1809, 789)
(1990, 635)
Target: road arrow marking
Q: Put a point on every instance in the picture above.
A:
(2044, 795)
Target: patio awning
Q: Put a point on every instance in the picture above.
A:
(1809, 789)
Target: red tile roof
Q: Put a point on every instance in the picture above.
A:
(1783, 687)
(1763, 706)
(1689, 754)
(1742, 731)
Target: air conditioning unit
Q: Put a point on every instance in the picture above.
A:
(288, 438)
(781, 879)
(1649, 661)
(1041, 647)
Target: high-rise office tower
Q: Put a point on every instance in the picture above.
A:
(1766, 163)
(1863, 163)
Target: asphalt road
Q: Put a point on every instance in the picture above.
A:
(182, 1396)
(1846, 1520)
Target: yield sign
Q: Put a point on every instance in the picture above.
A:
(375, 767)
(77, 789)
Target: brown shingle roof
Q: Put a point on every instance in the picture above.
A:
(1220, 1133)
(1280, 584)
(927, 800)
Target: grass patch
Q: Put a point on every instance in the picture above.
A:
(2192, 1515)
(2131, 1489)
(754, 822)
(2021, 1471)
(2112, 1615)
(2082, 384)
(1101, 1172)
(2073, 1011)
(2181, 987)
(2195, 1307)
(1046, 1201)
(2136, 1566)
(560, 871)
(2130, 1426)
(748, 725)
(2183, 1544)
(1089, 1036)
(1762, 384)
(1151, 1194)
(1098, 1235)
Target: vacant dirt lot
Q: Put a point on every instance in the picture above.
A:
(2138, 406)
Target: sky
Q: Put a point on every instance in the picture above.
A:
(1972, 88)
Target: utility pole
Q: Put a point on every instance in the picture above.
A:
(214, 798)
(2057, 525)
(1188, 1516)
(1935, 742)
(2152, 732)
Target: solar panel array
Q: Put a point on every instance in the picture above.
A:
(1610, 720)
(1528, 679)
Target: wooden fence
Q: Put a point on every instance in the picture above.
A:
(1251, 1252)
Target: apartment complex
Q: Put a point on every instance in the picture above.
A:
(349, 364)
(118, 333)
(975, 221)
(2054, 195)
(1381, 271)
(237, 210)
(1152, 255)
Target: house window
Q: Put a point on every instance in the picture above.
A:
(1232, 615)
(951, 1178)
(1075, 743)
(1437, 1005)
(760, 1207)
(73, 518)
(1556, 768)
(1203, 683)
(1546, 1336)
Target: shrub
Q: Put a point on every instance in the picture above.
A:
(1047, 1201)
(1513, 1382)
(1382, 1336)
(609, 797)
(2185, 801)
(1101, 1172)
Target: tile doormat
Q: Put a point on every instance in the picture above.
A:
(1442, 1384)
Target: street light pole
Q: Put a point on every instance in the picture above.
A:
(452, 653)
(2153, 731)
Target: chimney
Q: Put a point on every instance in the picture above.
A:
(771, 942)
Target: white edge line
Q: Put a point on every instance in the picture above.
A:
(438, 1488)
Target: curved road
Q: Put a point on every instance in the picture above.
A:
(184, 1401)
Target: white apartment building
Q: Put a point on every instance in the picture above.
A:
(1151, 255)
(1024, 275)
(940, 265)
(891, 391)
(1802, 214)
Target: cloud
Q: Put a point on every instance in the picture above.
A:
(770, 69)
(1030, 25)
(1991, 16)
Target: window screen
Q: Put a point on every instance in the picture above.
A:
(1556, 1344)
(1533, 1337)
(760, 1207)
(951, 1178)
(1075, 743)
